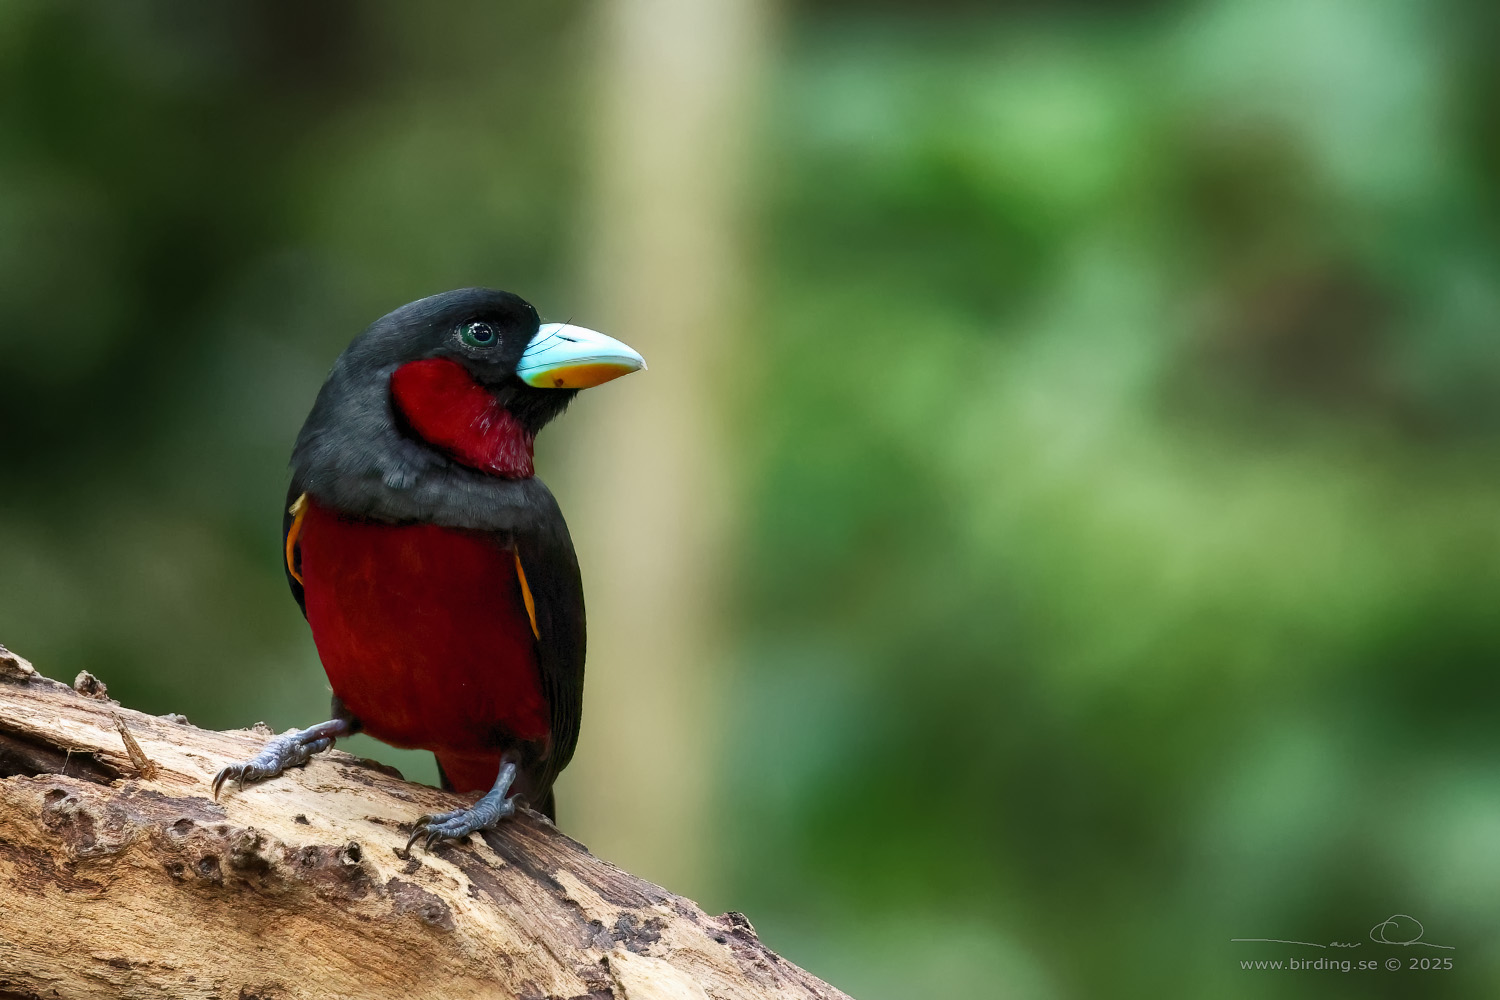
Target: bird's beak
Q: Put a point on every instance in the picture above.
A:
(570, 357)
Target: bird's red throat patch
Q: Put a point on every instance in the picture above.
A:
(451, 411)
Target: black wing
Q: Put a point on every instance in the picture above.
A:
(551, 570)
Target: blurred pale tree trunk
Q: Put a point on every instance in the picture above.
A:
(649, 458)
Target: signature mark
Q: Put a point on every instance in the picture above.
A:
(1401, 929)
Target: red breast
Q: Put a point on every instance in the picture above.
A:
(423, 631)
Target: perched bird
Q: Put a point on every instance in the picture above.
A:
(433, 567)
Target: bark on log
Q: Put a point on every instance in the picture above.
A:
(114, 884)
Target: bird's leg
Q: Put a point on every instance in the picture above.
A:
(289, 750)
(482, 815)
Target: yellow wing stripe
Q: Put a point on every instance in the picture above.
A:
(298, 510)
(526, 596)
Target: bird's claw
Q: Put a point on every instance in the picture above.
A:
(458, 824)
(280, 753)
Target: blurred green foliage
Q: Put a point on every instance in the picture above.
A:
(1122, 559)
(1126, 500)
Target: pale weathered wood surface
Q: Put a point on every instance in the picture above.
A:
(116, 884)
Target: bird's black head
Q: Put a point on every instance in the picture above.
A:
(473, 374)
(484, 332)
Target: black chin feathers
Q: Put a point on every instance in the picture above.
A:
(534, 408)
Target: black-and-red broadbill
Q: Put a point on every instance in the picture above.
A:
(433, 567)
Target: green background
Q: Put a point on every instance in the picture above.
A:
(1119, 568)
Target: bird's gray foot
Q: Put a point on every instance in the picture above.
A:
(482, 815)
(282, 752)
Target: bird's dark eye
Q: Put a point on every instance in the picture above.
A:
(478, 334)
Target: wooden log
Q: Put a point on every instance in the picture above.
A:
(115, 884)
